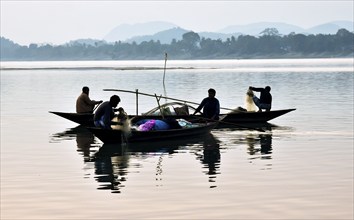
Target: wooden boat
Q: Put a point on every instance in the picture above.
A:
(119, 136)
(253, 117)
(182, 110)
(233, 116)
(179, 109)
(85, 119)
(171, 110)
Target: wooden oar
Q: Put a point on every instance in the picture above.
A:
(146, 94)
(229, 123)
(96, 107)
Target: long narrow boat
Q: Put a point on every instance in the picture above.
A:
(181, 110)
(85, 119)
(254, 117)
(119, 136)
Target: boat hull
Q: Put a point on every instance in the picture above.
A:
(253, 117)
(118, 136)
(86, 119)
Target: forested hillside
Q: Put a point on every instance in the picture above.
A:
(270, 44)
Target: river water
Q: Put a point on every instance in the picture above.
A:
(300, 168)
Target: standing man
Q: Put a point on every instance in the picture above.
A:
(210, 105)
(105, 113)
(84, 104)
(265, 100)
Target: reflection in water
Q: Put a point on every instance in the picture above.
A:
(159, 171)
(111, 163)
(246, 126)
(210, 158)
(264, 141)
(259, 144)
(85, 140)
(260, 147)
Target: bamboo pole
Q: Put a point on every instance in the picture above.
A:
(137, 101)
(158, 103)
(146, 94)
(164, 70)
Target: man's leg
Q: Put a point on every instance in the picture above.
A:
(267, 107)
(257, 103)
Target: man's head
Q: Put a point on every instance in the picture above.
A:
(267, 88)
(85, 90)
(211, 92)
(114, 100)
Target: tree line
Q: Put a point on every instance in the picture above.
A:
(270, 44)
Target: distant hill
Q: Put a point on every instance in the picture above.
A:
(256, 28)
(349, 25)
(165, 37)
(165, 32)
(126, 31)
(331, 28)
(338, 45)
(284, 29)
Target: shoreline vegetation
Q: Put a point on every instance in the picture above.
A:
(269, 45)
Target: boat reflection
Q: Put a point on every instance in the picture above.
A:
(112, 161)
(247, 126)
(260, 145)
(85, 140)
(209, 156)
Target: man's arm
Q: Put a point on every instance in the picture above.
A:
(256, 89)
(217, 108)
(88, 101)
(200, 107)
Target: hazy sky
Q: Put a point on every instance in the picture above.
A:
(57, 22)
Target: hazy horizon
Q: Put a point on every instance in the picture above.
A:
(58, 22)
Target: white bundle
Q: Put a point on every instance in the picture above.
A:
(249, 103)
(124, 125)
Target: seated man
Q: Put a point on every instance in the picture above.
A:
(265, 100)
(84, 104)
(105, 113)
(210, 106)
